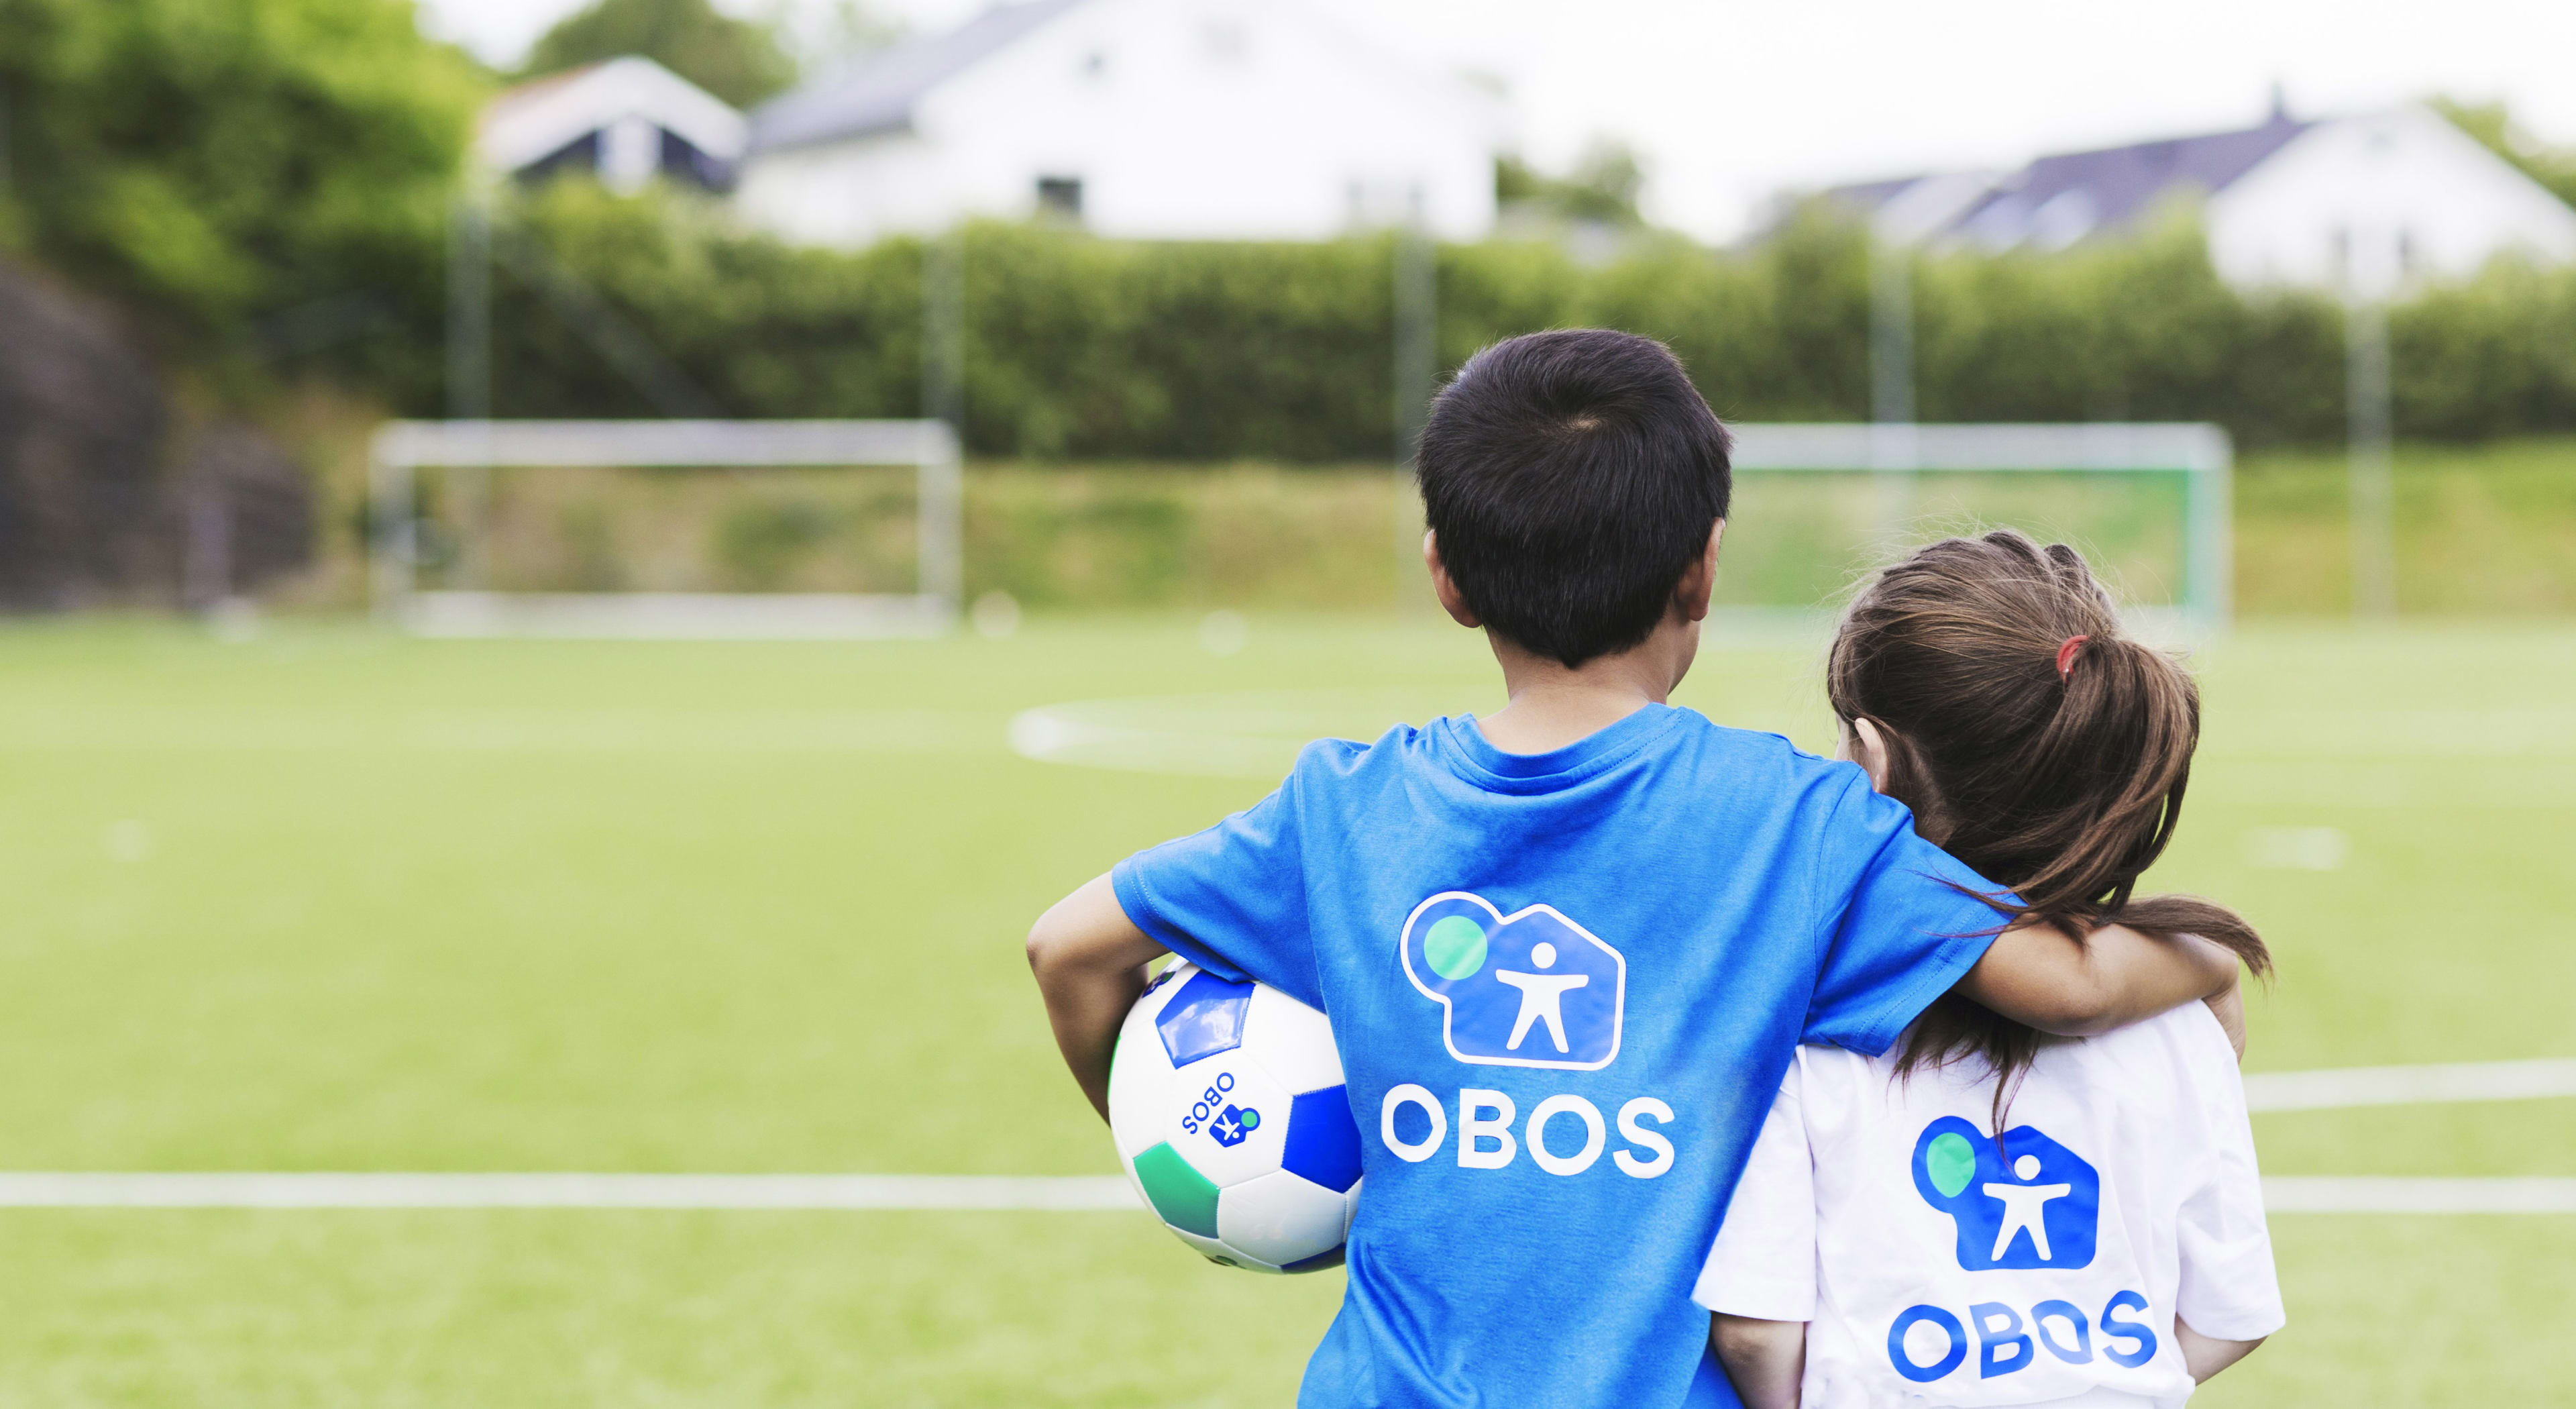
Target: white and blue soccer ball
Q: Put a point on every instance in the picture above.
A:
(1227, 1105)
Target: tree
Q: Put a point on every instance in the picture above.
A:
(210, 162)
(737, 60)
(821, 35)
(1602, 188)
(2493, 125)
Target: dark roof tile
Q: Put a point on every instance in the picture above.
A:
(880, 94)
(2115, 185)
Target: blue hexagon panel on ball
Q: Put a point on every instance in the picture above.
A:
(1227, 1107)
(1203, 1017)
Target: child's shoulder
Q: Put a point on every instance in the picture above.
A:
(1323, 761)
(1761, 755)
(1719, 763)
(1828, 800)
(2186, 1040)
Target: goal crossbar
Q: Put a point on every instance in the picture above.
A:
(400, 449)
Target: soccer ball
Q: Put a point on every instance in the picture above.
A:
(1227, 1105)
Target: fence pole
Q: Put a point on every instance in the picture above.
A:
(943, 331)
(942, 524)
(1417, 364)
(1891, 384)
(469, 377)
(2372, 458)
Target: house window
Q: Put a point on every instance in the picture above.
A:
(1060, 197)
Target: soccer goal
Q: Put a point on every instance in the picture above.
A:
(631, 582)
(1818, 506)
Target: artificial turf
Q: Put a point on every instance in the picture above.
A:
(331, 899)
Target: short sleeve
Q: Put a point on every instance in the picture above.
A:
(2229, 1289)
(1763, 1264)
(1231, 899)
(1902, 921)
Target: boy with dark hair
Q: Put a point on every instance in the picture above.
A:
(1569, 950)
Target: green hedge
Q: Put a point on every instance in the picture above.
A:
(1086, 348)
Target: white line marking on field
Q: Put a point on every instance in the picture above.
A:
(659, 1191)
(931, 1192)
(2264, 1091)
(1249, 734)
(2397, 1086)
(2361, 1194)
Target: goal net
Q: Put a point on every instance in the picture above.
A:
(1818, 506)
(667, 529)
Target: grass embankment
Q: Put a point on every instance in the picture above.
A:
(2482, 531)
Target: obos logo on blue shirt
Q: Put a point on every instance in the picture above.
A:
(1529, 989)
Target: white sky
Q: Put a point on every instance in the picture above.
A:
(1731, 100)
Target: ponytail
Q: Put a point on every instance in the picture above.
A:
(2034, 742)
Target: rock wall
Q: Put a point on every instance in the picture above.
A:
(106, 495)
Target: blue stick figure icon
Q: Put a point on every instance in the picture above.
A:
(2020, 1201)
(1529, 989)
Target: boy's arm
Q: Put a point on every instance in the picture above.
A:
(1765, 1359)
(2036, 975)
(1090, 960)
(2206, 1355)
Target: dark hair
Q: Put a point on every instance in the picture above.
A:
(1572, 478)
(2063, 784)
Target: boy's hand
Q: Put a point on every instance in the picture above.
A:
(1090, 960)
(1766, 1360)
(2036, 975)
(2230, 1008)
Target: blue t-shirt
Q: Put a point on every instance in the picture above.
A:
(1565, 987)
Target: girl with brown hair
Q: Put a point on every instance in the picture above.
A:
(1988, 1216)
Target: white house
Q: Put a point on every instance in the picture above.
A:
(1147, 119)
(625, 121)
(2364, 203)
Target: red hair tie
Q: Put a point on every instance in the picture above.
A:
(2066, 655)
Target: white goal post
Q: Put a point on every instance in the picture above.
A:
(402, 448)
(1897, 455)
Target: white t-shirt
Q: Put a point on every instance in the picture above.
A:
(1940, 1266)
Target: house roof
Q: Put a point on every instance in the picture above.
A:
(538, 118)
(881, 93)
(2059, 199)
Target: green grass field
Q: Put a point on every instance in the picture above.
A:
(333, 900)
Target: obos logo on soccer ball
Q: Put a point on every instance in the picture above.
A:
(1529, 989)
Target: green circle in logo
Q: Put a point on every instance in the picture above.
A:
(1951, 1163)
(1455, 947)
